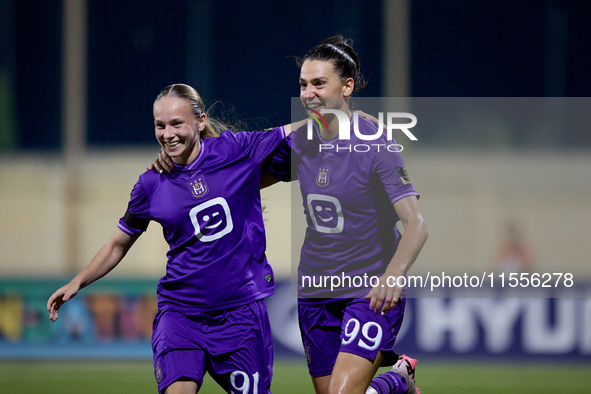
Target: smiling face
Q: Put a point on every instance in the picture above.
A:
(177, 128)
(321, 87)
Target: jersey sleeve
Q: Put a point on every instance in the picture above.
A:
(279, 163)
(389, 167)
(260, 144)
(136, 218)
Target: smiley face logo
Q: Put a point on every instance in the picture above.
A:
(212, 219)
(326, 213)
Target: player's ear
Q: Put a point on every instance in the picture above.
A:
(348, 87)
(201, 123)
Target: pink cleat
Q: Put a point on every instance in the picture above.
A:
(405, 367)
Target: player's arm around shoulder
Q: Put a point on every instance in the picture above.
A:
(104, 261)
(288, 128)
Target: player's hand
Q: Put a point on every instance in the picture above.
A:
(163, 163)
(384, 297)
(58, 298)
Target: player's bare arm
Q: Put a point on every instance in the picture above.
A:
(163, 162)
(104, 261)
(412, 241)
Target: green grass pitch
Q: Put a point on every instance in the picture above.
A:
(90, 377)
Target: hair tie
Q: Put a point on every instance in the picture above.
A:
(344, 54)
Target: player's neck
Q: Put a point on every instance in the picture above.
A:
(333, 125)
(186, 160)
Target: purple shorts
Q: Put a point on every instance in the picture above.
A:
(347, 326)
(233, 345)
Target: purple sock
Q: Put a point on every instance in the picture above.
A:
(389, 383)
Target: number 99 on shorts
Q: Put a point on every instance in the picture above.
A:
(367, 336)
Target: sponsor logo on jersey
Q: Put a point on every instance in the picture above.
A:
(323, 177)
(198, 187)
(326, 213)
(211, 219)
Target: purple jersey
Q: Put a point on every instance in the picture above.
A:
(211, 215)
(348, 194)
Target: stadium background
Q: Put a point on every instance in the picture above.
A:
(58, 205)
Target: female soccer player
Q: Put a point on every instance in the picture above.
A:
(352, 201)
(211, 314)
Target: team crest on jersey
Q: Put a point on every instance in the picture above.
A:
(158, 372)
(323, 177)
(198, 187)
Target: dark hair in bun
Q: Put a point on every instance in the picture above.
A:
(340, 52)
